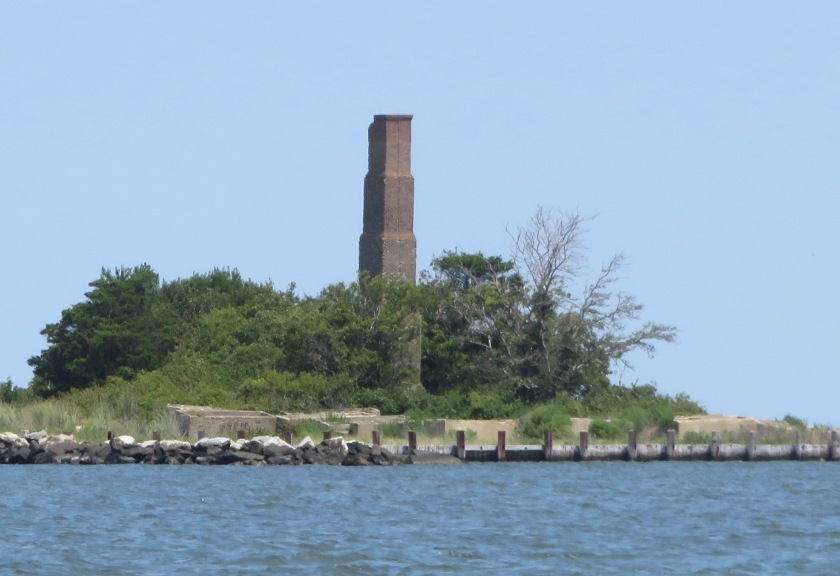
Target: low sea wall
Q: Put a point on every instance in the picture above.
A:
(40, 448)
(630, 452)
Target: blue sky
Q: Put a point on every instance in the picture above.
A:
(701, 138)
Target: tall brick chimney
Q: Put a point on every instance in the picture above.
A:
(388, 246)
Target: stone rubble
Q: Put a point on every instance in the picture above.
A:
(40, 448)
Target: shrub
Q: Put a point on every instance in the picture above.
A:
(636, 418)
(607, 429)
(795, 422)
(488, 405)
(546, 417)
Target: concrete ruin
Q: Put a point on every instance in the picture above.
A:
(708, 423)
(201, 421)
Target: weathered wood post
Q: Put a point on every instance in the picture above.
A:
(461, 439)
(156, 435)
(751, 446)
(583, 447)
(110, 435)
(714, 447)
(631, 445)
(670, 443)
(377, 437)
(501, 447)
(288, 436)
(548, 444)
(796, 453)
(832, 448)
(200, 433)
(240, 434)
(412, 442)
(354, 429)
(327, 434)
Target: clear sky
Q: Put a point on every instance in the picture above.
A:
(702, 139)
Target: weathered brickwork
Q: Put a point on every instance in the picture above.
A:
(388, 246)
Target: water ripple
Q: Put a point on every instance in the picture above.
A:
(586, 518)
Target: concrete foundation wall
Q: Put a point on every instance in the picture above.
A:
(213, 423)
(488, 429)
(708, 423)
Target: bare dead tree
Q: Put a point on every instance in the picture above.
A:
(550, 249)
(550, 253)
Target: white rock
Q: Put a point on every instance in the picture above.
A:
(11, 438)
(306, 443)
(37, 435)
(277, 441)
(62, 438)
(237, 444)
(173, 445)
(148, 444)
(220, 442)
(123, 441)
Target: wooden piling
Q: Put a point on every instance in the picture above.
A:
(240, 434)
(412, 442)
(796, 453)
(670, 444)
(288, 436)
(200, 434)
(631, 445)
(583, 447)
(327, 434)
(354, 429)
(110, 435)
(156, 435)
(377, 437)
(501, 447)
(548, 444)
(461, 439)
(751, 446)
(714, 447)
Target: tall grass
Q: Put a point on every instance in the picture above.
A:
(60, 416)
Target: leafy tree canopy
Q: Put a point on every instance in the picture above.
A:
(497, 334)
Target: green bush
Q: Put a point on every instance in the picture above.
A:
(607, 429)
(547, 417)
(489, 405)
(795, 422)
(11, 394)
(636, 417)
(662, 416)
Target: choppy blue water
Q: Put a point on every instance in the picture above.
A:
(546, 518)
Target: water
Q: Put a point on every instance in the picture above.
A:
(545, 518)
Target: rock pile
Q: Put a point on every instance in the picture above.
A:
(40, 448)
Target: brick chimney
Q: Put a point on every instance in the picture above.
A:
(388, 246)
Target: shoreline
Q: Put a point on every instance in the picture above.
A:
(40, 448)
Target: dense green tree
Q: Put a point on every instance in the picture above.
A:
(518, 326)
(119, 330)
(497, 334)
(364, 329)
(473, 308)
